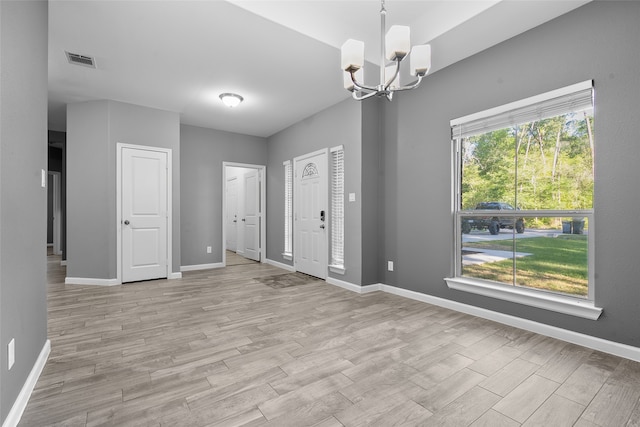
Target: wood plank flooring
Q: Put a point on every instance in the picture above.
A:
(218, 348)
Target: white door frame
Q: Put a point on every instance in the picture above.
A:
(119, 147)
(296, 253)
(263, 207)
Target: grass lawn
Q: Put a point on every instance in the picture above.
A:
(557, 264)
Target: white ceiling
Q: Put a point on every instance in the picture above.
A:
(281, 56)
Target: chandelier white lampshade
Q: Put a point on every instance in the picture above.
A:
(231, 99)
(397, 42)
(352, 55)
(394, 46)
(420, 60)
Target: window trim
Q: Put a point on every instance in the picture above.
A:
(534, 298)
(337, 243)
(288, 210)
(557, 302)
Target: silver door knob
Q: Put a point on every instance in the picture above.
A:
(126, 222)
(322, 226)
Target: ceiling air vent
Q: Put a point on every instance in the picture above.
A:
(85, 61)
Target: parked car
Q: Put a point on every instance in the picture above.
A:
(493, 223)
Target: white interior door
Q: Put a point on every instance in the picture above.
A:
(251, 217)
(310, 212)
(232, 213)
(144, 214)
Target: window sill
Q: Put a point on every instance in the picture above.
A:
(339, 269)
(547, 301)
(287, 255)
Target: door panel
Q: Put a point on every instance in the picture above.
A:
(144, 215)
(252, 215)
(310, 200)
(232, 214)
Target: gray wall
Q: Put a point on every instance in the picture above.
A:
(93, 130)
(203, 151)
(592, 42)
(372, 122)
(23, 154)
(340, 124)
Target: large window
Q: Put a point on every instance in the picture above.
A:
(524, 199)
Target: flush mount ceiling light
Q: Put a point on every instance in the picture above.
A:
(231, 99)
(398, 46)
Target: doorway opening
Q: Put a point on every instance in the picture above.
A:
(243, 211)
(54, 212)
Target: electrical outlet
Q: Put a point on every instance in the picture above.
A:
(390, 265)
(11, 353)
(208, 249)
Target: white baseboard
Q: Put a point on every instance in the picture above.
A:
(351, 287)
(173, 276)
(279, 264)
(595, 343)
(90, 281)
(196, 267)
(13, 418)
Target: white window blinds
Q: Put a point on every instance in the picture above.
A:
(337, 206)
(288, 206)
(574, 98)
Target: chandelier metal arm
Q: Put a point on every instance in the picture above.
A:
(409, 86)
(363, 97)
(395, 74)
(360, 86)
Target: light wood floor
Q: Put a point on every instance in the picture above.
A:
(217, 348)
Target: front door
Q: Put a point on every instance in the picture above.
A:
(144, 214)
(310, 214)
(251, 217)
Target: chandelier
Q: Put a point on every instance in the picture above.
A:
(398, 45)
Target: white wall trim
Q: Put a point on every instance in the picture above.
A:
(90, 281)
(174, 275)
(351, 287)
(196, 267)
(13, 418)
(279, 264)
